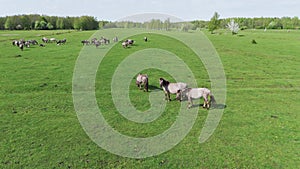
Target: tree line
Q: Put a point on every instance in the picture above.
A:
(213, 24)
(252, 23)
(41, 22)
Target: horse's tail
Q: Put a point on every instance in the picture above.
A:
(146, 84)
(212, 99)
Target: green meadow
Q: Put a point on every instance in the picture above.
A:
(259, 127)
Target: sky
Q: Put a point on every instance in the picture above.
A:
(187, 10)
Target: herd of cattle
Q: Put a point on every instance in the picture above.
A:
(27, 43)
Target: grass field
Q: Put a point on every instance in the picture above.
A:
(259, 128)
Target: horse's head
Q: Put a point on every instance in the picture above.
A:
(161, 81)
(178, 95)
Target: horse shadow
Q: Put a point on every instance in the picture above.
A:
(154, 88)
(214, 106)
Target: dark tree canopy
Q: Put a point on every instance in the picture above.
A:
(38, 22)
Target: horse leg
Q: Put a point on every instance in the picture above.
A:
(190, 102)
(205, 104)
(168, 94)
(146, 86)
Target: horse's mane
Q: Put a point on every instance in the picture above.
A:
(165, 82)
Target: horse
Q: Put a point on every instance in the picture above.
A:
(53, 40)
(34, 42)
(85, 42)
(115, 39)
(45, 40)
(97, 43)
(130, 41)
(145, 39)
(171, 88)
(59, 42)
(142, 80)
(197, 93)
(21, 46)
(15, 43)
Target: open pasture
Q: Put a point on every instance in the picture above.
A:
(259, 128)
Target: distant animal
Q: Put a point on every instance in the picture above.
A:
(21, 46)
(104, 41)
(34, 42)
(27, 44)
(60, 42)
(97, 43)
(145, 39)
(115, 39)
(197, 93)
(42, 45)
(130, 41)
(171, 88)
(53, 40)
(142, 80)
(125, 44)
(15, 43)
(85, 42)
(253, 41)
(45, 40)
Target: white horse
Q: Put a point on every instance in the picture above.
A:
(197, 93)
(171, 88)
(142, 79)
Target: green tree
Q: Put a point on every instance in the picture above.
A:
(60, 23)
(25, 22)
(102, 24)
(214, 23)
(295, 22)
(2, 23)
(37, 25)
(167, 24)
(86, 23)
(49, 26)
(9, 23)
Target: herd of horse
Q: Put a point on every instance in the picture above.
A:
(97, 42)
(180, 89)
(105, 41)
(27, 43)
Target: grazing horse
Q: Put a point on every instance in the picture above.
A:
(59, 42)
(97, 43)
(197, 93)
(115, 39)
(171, 88)
(124, 44)
(34, 42)
(15, 43)
(45, 40)
(85, 42)
(53, 40)
(127, 42)
(142, 79)
(130, 41)
(21, 46)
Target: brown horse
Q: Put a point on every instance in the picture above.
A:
(142, 80)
